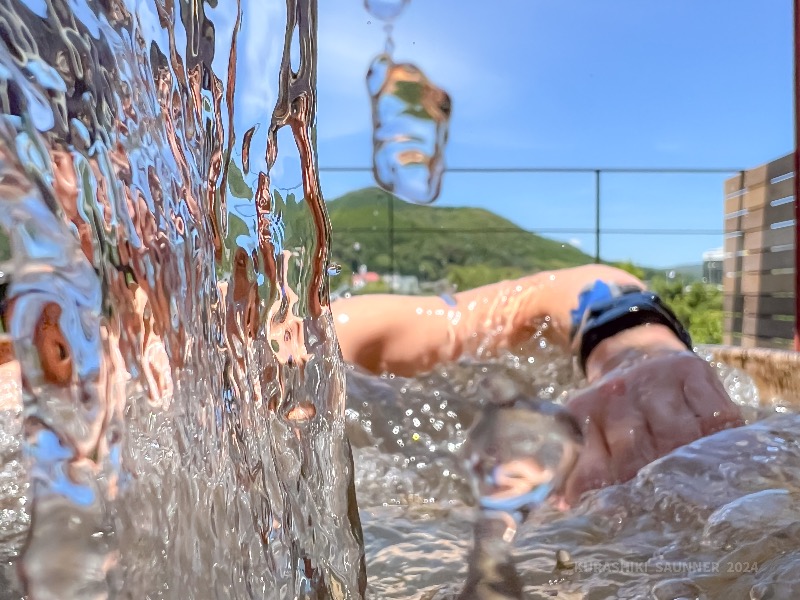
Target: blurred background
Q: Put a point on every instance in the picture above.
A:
(581, 131)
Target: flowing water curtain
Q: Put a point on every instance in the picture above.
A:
(183, 389)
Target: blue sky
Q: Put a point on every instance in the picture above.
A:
(578, 83)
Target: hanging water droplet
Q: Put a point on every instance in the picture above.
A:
(388, 47)
(410, 117)
(334, 269)
(385, 10)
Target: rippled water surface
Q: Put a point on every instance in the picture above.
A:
(172, 409)
(717, 517)
(163, 250)
(714, 518)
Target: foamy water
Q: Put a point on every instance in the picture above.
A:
(716, 517)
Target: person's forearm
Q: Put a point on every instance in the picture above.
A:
(404, 335)
(560, 293)
(517, 308)
(408, 335)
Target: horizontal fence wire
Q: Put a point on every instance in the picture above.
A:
(640, 170)
(598, 230)
(508, 230)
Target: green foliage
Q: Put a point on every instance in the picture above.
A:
(698, 306)
(373, 287)
(236, 182)
(472, 276)
(631, 268)
(434, 243)
(5, 247)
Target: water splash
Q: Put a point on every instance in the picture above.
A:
(518, 452)
(386, 10)
(168, 302)
(417, 504)
(410, 122)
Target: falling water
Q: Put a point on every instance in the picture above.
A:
(164, 245)
(519, 451)
(386, 10)
(410, 119)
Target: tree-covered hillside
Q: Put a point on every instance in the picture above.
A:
(468, 246)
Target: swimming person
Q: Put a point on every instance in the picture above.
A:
(647, 392)
(647, 395)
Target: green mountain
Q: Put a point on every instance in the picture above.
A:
(468, 246)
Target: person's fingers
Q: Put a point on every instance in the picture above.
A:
(642, 414)
(707, 397)
(591, 471)
(671, 421)
(628, 439)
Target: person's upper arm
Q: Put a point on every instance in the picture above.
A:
(399, 334)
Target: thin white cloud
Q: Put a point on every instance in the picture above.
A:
(347, 45)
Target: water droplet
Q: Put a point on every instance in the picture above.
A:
(410, 117)
(519, 451)
(385, 10)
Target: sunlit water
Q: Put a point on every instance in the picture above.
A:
(719, 516)
(163, 249)
(410, 122)
(410, 119)
(163, 243)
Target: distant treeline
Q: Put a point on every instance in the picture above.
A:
(470, 247)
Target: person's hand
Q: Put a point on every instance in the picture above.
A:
(637, 412)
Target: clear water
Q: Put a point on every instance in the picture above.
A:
(410, 122)
(410, 119)
(715, 519)
(163, 243)
(174, 424)
(386, 10)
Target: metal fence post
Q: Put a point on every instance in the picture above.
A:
(391, 242)
(797, 173)
(597, 216)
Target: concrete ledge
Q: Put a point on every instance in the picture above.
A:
(776, 373)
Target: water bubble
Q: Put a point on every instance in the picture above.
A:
(385, 10)
(410, 117)
(518, 452)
